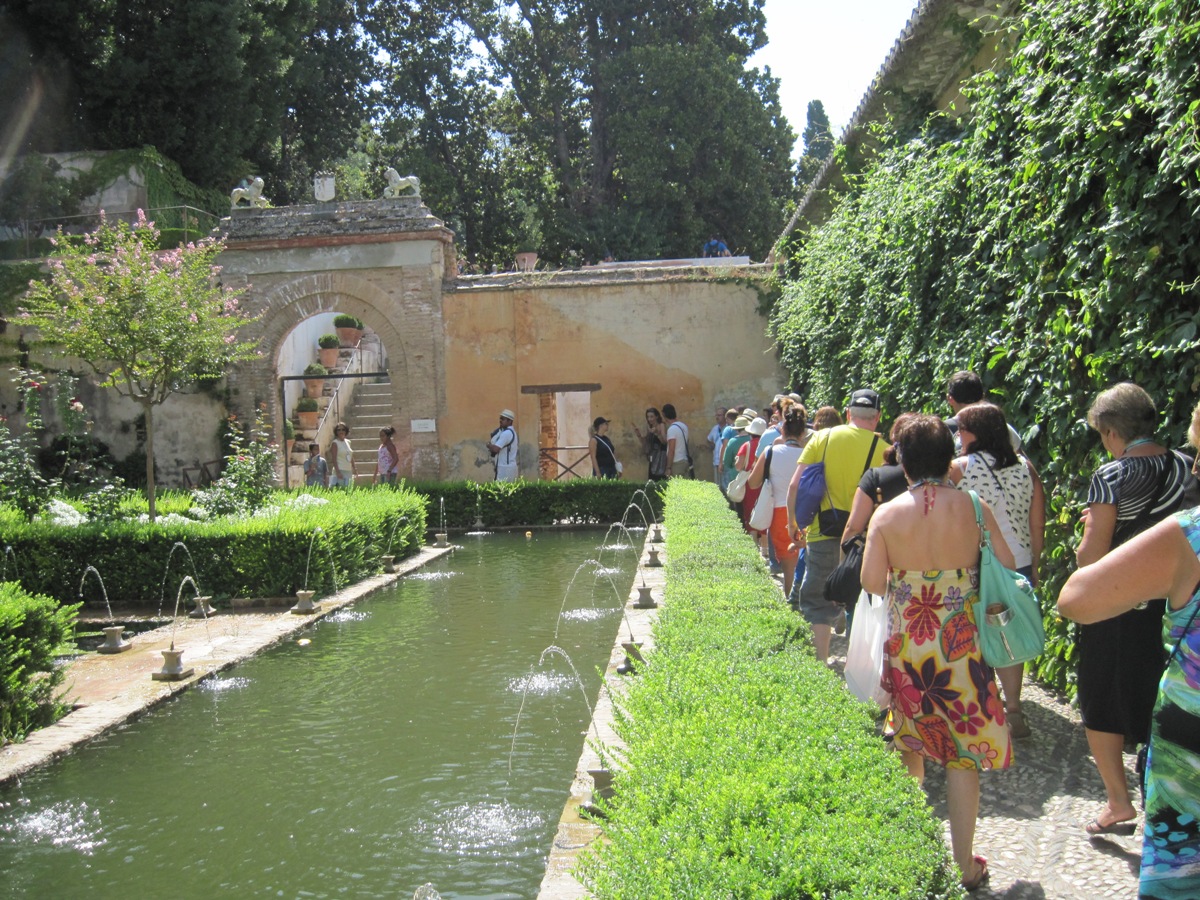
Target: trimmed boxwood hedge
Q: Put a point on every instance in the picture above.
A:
(32, 629)
(750, 770)
(514, 503)
(252, 557)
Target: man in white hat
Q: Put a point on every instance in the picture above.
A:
(503, 446)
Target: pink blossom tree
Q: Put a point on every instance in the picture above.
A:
(148, 322)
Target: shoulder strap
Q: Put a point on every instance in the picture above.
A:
(985, 539)
(767, 464)
(992, 472)
(870, 454)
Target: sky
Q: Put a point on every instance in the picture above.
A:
(828, 51)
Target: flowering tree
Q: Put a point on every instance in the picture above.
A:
(148, 322)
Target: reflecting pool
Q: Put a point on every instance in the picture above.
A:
(383, 754)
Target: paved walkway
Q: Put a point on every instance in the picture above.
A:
(1032, 816)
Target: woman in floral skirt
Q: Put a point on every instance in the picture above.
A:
(922, 553)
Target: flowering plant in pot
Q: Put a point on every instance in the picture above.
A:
(314, 380)
(327, 351)
(349, 329)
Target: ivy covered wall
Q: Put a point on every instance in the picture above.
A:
(1050, 243)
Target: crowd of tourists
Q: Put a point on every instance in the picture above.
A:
(905, 515)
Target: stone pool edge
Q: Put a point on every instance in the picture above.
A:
(130, 692)
(575, 833)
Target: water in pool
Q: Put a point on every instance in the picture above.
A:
(378, 757)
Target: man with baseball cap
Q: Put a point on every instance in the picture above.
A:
(847, 452)
(503, 446)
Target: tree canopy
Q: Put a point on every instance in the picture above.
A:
(632, 128)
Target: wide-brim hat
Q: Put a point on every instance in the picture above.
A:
(758, 426)
(749, 414)
(740, 423)
(507, 414)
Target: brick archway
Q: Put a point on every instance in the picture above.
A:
(410, 332)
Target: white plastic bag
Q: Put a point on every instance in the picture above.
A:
(864, 656)
(764, 509)
(737, 488)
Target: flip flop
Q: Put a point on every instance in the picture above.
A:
(979, 880)
(1124, 827)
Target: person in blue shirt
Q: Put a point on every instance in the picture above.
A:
(715, 247)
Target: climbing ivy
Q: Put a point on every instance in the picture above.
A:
(1051, 243)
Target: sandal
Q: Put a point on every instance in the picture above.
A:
(1124, 827)
(979, 880)
(1018, 727)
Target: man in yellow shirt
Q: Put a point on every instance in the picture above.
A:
(847, 451)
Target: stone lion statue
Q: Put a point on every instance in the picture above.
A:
(397, 183)
(252, 195)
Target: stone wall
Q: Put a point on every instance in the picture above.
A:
(632, 338)
(559, 348)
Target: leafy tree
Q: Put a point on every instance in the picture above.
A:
(223, 87)
(643, 117)
(148, 323)
(818, 142)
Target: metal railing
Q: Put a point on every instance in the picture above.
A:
(194, 223)
(550, 455)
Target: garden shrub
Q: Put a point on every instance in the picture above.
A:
(264, 555)
(32, 630)
(512, 503)
(1050, 243)
(750, 770)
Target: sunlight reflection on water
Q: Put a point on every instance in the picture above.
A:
(70, 824)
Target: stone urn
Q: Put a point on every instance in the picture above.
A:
(304, 603)
(172, 669)
(527, 260)
(113, 640)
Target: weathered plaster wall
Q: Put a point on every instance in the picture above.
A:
(645, 342)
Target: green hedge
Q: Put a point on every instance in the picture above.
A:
(252, 557)
(32, 629)
(506, 504)
(751, 771)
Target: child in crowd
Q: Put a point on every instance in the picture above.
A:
(316, 470)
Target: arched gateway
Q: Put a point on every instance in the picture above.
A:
(382, 261)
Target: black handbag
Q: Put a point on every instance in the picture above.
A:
(845, 582)
(832, 522)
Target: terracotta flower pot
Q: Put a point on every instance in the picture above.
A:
(527, 261)
(308, 420)
(328, 357)
(314, 386)
(348, 336)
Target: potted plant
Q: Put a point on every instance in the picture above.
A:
(306, 412)
(349, 329)
(314, 379)
(289, 436)
(529, 238)
(327, 349)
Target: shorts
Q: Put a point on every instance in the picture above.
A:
(780, 538)
(820, 559)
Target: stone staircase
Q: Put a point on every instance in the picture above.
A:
(372, 409)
